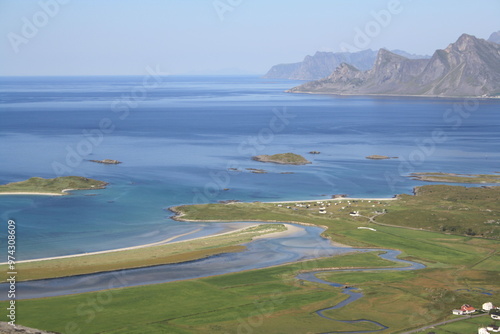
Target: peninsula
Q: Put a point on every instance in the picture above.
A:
(56, 186)
(283, 158)
(456, 178)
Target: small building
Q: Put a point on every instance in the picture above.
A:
(482, 331)
(487, 306)
(457, 312)
(467, 309)
(492, 328)
(322, 211)
(495, 314)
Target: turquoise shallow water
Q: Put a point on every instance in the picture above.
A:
(178, 140)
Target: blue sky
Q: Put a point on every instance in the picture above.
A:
(120, 37)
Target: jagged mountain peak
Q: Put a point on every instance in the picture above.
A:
(468, 67)
(465, 42)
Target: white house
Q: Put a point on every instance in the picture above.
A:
(482, 331)
(494, 329)
(487, 306)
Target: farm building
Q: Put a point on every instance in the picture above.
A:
(495, 314)
(494, 329)
(488, 306)
(482, 331)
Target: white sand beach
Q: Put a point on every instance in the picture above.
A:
(159, 243)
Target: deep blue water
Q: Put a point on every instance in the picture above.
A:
(178, 139)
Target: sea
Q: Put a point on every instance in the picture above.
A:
(190, 140)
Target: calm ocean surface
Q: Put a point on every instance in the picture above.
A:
(178, 136)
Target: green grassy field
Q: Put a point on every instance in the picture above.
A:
(473, 211)
(273, 300)
(52, 186)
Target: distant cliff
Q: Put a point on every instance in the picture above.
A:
(322, 64)
(495, 37)
(468, 67)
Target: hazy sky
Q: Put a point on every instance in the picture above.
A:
(113, 37)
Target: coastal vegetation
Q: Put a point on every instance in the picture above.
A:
(57, 186)
(167, 253)
(283, 158)
(456, 178)
(459, 269)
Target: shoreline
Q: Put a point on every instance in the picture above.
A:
(63, 192)
(178, 217)
(393, 95)
(334, 199)
(158, 243)
(31, 193)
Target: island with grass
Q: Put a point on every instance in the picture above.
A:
(456, 178)
(282, 158)
(56, 186)
(379, 157)
(107, 161)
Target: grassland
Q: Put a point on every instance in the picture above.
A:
(459, 269)
(459, 210)
(143, 257)
(457, 178)
(56, 186)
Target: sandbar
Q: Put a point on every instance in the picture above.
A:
(158, 243)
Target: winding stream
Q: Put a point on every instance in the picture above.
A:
(305, 243)
(390, 255)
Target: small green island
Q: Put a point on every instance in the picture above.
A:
(456, 178)
(282, 158)
(56, 186)
(379, 157)
(107, 161)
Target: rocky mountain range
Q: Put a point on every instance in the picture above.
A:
(468, 67)
(322, 64)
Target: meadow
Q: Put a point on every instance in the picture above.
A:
(460, 269)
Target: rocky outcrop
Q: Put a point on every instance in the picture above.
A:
(468, 67)
(5, 328)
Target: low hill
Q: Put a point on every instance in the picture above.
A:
(57, 185)
(283, 158)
